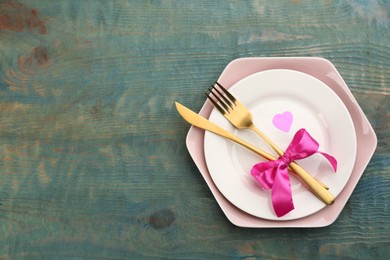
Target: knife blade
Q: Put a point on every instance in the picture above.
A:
(201, 122)
(197, 120)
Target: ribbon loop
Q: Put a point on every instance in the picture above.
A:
(274, 174)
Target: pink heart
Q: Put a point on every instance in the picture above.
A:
(283, 121)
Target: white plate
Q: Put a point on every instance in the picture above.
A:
(315, 107)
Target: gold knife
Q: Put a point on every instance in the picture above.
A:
(201, 122)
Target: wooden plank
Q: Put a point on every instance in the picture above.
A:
(93, 162)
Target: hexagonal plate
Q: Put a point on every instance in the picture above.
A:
(323, 70)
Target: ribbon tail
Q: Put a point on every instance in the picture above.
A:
(331, 160)
(282, 200)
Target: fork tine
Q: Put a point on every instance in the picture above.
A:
(215, 104)
(224, 98)
(226, 92)
(222, 101)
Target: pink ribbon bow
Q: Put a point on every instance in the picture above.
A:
(274, 174)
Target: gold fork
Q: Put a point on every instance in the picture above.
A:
(240, 117)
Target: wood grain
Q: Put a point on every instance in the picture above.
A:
(93, 162)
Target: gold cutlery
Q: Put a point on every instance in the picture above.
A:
(240, 117)
(201, 122)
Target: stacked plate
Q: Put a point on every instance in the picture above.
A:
(284, 95)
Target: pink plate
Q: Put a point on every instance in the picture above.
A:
(323, 70)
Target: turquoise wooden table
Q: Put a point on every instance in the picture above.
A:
(93, 162)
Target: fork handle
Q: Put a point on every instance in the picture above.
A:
(319, 189)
